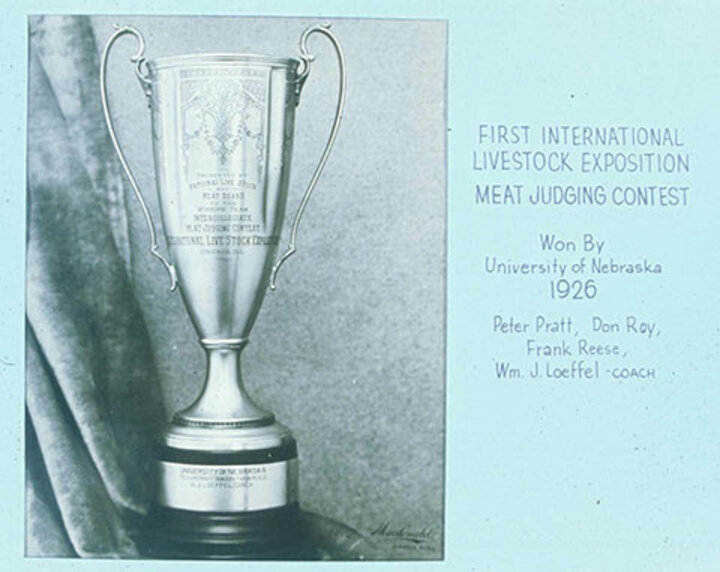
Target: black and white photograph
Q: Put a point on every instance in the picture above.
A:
(235, 288)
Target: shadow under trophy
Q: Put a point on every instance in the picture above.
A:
(222, 132)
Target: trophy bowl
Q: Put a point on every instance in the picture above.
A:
(222, 133)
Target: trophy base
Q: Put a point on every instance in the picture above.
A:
(226, 492)
(273, 534)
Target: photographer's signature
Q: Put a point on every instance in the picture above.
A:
(404, 536)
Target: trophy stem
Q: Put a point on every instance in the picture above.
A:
(224, 400)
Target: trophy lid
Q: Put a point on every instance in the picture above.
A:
(224, 58)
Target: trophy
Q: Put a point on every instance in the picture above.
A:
(222, 132)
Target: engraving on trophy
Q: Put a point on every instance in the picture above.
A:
(223, 114)
(227, 487)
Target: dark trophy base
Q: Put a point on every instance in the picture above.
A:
(227, 504)
(274, 534)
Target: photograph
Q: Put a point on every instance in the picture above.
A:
(236, 287)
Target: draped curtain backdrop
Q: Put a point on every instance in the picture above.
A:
(93, 402)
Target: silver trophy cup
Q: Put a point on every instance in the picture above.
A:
(222, 132)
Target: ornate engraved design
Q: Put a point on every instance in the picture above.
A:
(227, 113)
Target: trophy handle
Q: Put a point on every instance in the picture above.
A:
(146, 84)
(307, 58)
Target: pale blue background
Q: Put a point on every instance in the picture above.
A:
(526, 465)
